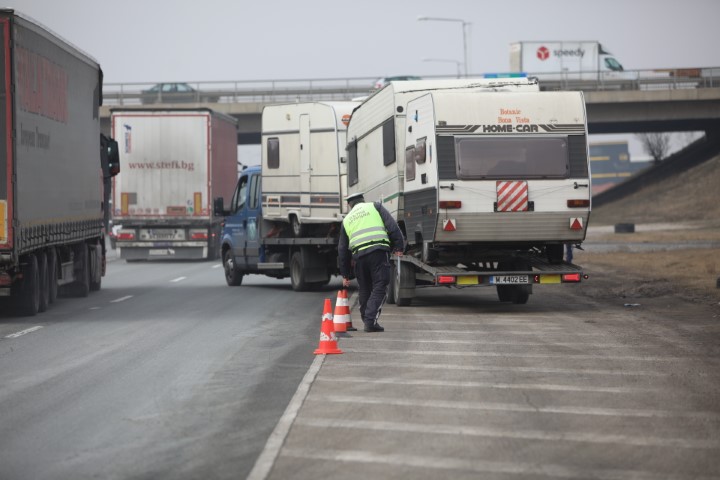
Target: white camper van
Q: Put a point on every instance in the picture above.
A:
(376, 134)
(490, 187)
(303, 164)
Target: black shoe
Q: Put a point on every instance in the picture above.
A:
(374, 328)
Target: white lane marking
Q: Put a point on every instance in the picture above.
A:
(178, 279)
(494, 368)
(506, 343)
(121, 299)
(498, 385)
(217, 266)
(23, 332)
(466, 430)
(515, 407)
(428, 462)
(94, 308)
(270, 452)
(525, 355)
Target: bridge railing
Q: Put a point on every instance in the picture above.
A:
(339, 89)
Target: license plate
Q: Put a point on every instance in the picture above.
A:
(509, 279)
(159, 251)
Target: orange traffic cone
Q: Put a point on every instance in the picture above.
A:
(342, 308)
(340, 317)
(328, 340)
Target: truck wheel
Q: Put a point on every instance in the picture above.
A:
(95, 257)
(405, 285)
(52, 275)
(233, 276)
(298, 228)
(519, 294)
(297, 274)
(503, 293)
(81, 269)
(28, 294)
(44, 281)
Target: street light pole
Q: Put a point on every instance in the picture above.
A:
(466, 34)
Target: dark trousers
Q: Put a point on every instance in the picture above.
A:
(372, 272)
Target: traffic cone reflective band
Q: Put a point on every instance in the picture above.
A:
(339, 318)
(345, 304)
(328, 340)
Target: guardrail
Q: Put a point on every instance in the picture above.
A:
(338, 89)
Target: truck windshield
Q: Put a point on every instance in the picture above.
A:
(613, 64)
(511, 157)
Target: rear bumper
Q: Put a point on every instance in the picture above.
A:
(160, 250)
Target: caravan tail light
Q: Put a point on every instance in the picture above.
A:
(578, 203)
(198, 234)
(571, 277)
(450, 204)
(126, 235)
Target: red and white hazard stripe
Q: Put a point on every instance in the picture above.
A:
(512, 196)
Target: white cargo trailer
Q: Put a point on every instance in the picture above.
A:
(178, 161)
(304, 164)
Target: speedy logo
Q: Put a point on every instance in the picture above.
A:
(543, 53)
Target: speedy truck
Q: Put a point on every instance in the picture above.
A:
(555, 62)
(176, 161)
(494, 185)
(52, 167)
(285, 215)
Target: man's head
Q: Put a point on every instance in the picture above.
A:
(355, 198)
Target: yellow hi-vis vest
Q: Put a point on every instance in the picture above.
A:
(365, 228)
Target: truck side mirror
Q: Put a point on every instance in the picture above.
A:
(219, 207)
(113, 157)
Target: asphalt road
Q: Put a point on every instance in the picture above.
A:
(164, 373)
(575, 384)
(167, 373)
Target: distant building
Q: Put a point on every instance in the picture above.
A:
(610, 164)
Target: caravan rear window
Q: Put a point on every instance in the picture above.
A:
(512, 157)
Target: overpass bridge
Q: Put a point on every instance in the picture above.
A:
(668, 100)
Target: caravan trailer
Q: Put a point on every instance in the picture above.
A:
(376, 152)
(489, 186)
(304, 164)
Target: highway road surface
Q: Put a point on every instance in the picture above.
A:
(167, 373)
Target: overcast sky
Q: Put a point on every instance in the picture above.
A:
(219, 40)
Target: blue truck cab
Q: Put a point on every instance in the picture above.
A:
(251, 244)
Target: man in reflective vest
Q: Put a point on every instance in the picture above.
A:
(368, 236)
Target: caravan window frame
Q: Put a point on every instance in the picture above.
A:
(410, 155)
(498, 157)
(388, 136)
(352, 171)
(273, 152)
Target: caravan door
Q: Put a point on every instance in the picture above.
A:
(305, 168)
